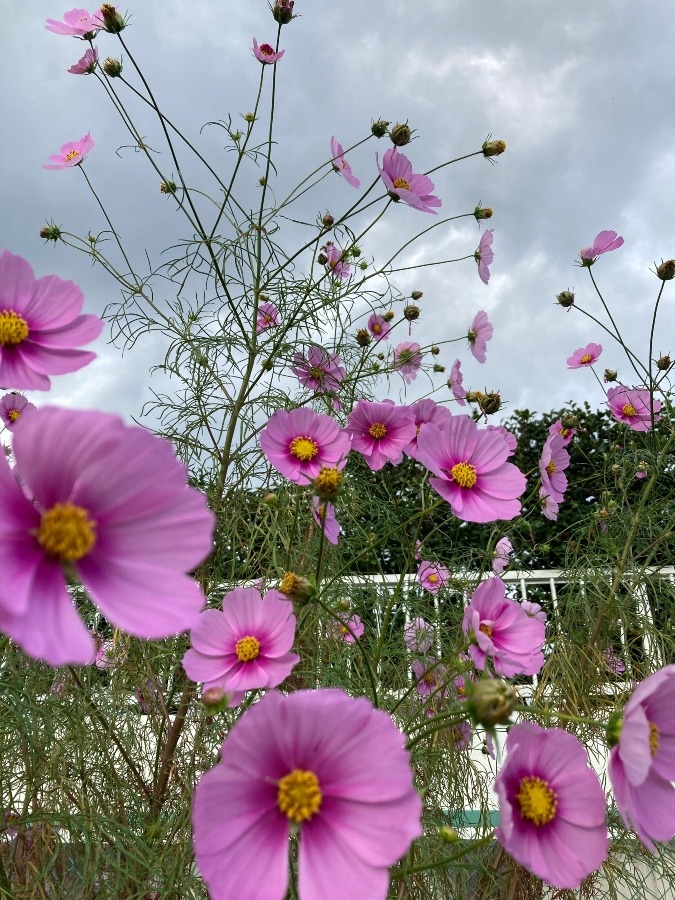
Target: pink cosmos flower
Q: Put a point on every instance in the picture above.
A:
(12, 407)
(110, 504)
(86, 65)
(348, 629)
(340, 164)
(551, 806)
(631, 406)
(642, 470)
(584, 356)
(533, 610)
(426, 411)
(455, 383)
(479, 334)
(402, 184)
(502, 552)
(549, 505)
(71, 154)
(642, 764)
(432, 576)
(418, 636)
(484, 255)
(612, 663)
(407, 360)
(500, 628)
(330, 768)
(244, 647)
(104, 652)
(461, 736)
(471, 471)
(379, 327)
(40, 326)
(509, 437)
(331, 526)
(380, 431)
(265, 54)
(603, 243)
(267, 317)
(300, 442)
(338, 266)
(565, 433)
(429, 675)
(319, 370)
(552, 464)
(76, 23)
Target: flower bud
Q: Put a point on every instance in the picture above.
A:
(493, 148)
(168, 187)
(50, 232)
(295, 587)
(345, 604)
(113, 21)
(327, 484)
(400, 135)
(565, 298)
(411, 312)
(475, 396)
(363, 337)
(416, 295)
(380, 356)
(389, 315)
(379, 128)
(666, 271)
(322, 259)
(613, 730)
(482, 212)
(490, 701)
(112, 67)
(283, 11)
(490, 403)
(435, 350)
(438, 367)
(569, 420)
(249, 117)
(663, 362)
(262, 181)
(611, 375)
(214, 700)
(448, 834)
(363, 265)
(327, 220)
(355, 251)
(270, 499)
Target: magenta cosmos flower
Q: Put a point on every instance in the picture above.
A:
(349, 629)
(331, 769)
(479, 334)
(455, 383)
(425, 411)
(71, 154)
(502, 552)
(632, 407)
(379, 327)
(301, 442)
(265, 53)
(432, 576)
(335, 262)
(484, 255)
(603, 243)
(110, 504)
(642, 764)
(319, 370)
(77, 23)
(324, 516)
(554, 460)
(551, 806)
(565, 433)
(429, 675)
(418, 636)
(380, 431)
(40, 326)
(12, 407)
(402, 184)
(267, 317)
(407, 360)
(500, 629)
(471, 471)
(341, 165)
(549, 505)
(244, 647)
(584, 356)
(86, 65)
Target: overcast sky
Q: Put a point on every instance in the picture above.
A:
(582, 94)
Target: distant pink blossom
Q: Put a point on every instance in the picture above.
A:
(642, 470)
(552, 464)
(509, 437)
(533, 610)
(12, 407)
(425, 411)
(267, 317)
(331, 526)
(265, 54)
(461, 736)
(348, 629)
(603, 243)
(71, 154)
(502, 552)
(379, 327)
(418, 636)
(380, 431)
(338, 266)
(407, 360)
(417, 553)
(484, 255)
(632, 407)
(319, 370)
(565, 433)
(584, 356)
(402, 184)
(430, 676)
(455, 383)
(341, 165)
(549, 506)
(299, 442)
(76, 23)
(86, 65)
(612, 663)
(432, 576)
(479, 334)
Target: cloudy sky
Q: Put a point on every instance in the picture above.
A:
(582, 94)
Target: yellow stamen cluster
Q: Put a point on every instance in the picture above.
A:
(377, 430)
(551, 468)
(14, 415)
(628, 410)
(432, 579)
(247, 648)
(299, 795)
(303, 448)
(537, 802)
(66, 532)
(13, 328)
(654, 738)
(586, 358)
(464, 474)
(327, 482)
(289, 583)
(485, 628)
(72, 154)
(401, 183)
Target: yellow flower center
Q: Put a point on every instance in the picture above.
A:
(13, 328)
(327, 482)
(377, 430)
(13, 415)
(344, 629)
(66, 532)
(303, 448)
(551, 468)
(464, 474)
(247, 648)
(432, 578)
(72, 154)
(628, 409)
(538, 803)
(401, 183)
(586, 358)
(564, 432)
(266, 49)
(377, 328)
(654, 738)
(317, 373)
(486, 629)
(299, 795)
(289, 583)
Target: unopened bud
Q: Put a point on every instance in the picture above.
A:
(435, 350)
(438, 367)
(448, 834)
(295, 587)
(283, 11)
(416, 295)
(322, 259)
(411, 312)
(327, 220)
(363, 337)
(113, 21)
(214, 700)
(493, 148)
(490, 701)
(400, 135)
(389, 315)
(270, 499)
(363, 265)
(663, 362)
(613, 730)
(112, 67)
(482, 212)
(50, 232)
(611, 375)
(249, 117)
(379, 128)
(569, 420)
(345, 604)
(380, 356)
(565, 298)
(475, 396)
(666, 271)
(262, 181)
(168, 187)
(490, 403)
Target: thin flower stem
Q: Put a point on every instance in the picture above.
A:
(650, 359)
(445, 860)
(107, 218)
(611, 319)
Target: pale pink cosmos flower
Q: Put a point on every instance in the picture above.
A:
(76, 23)
(71, 154)
(603, 243)
(331, 769)
(336, 264)
(324, 516)
(534, 610)
(455, 383)
(499, 629)
(642, 764)
(484, 255)
(40, 326)
(509, 437)
(425, 411)
(265, 53)
(379, 327)
(86, 65)
(632, 407)
(380, 431)
(244, 647)
(612, 663)
(479, 334)
(267, 317)
(12, 407)
(551, 806)
(418, 636)
(402, 184)
(549, 505)
(432, 576)
(502, 552)
(109, 504)
(300, 442)
(584, 356)
(552, 464)
(341, 165)
(565, 433)
(461, 736)
(470, 470)
(319, 370)
(407, 360)
(348, 629)
(417, 552)
(429, 675)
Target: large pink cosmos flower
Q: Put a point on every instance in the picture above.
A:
(455, 383)
(402, 184)
(484, 255)
(500, 629)
(418, 636)
(565, 433)
(407, 360)
(642, 764)
(552, 464)
(331, 769)
(300, 442)
(479, 334)
(71, 154)
(324, 516)
(471, 471)
(244, 647)
(425, 411)
(379, 327)
(603, 243)
(12, 407)
(631, 406)
(319, 370)
(77, 23)
(502, 552)
(432, 576)
(584, 356)
(265, 54)
(336, 264)
(110, 504)
(551, 806)
(341, 165)
(267, 317)
(380, 431)
(86, 65)
(40, 326)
